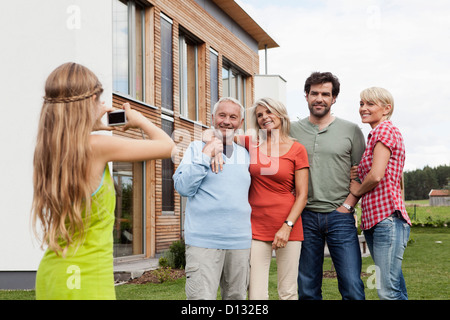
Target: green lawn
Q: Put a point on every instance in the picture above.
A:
(421, 214)
(426, 267)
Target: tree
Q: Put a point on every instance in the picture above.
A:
(418, 183)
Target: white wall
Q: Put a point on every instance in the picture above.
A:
(36, 37)
(272, 86)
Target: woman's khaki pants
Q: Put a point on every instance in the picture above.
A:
(287, 270)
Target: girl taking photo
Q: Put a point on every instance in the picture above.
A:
(74, 198)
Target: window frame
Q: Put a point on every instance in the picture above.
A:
(166, 178)
(133, 64)
(185, 80)
(137, 174)
(166, 82)
(237, 84)
(213, 77)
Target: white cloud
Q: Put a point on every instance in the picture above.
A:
(400, 45)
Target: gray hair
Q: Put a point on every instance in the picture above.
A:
(235, 101)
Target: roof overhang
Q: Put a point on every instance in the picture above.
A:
(246, 22)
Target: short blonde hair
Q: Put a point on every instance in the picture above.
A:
(276, 107)
(379, 96)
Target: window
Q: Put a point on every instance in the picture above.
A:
(129, 213)
(120, 47)
(128, 49)
(234, 84)
(214, 76)
(167, 172)
(166, 63)
(189, 99)
(226, 91)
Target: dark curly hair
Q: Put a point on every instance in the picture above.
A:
(320, 78)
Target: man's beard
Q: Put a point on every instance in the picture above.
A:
(319, 113)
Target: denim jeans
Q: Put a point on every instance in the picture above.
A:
(339, 231)
(387, 241)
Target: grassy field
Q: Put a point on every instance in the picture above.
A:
(426, 267)
(420, 212)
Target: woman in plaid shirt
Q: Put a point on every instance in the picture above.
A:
(384, 218)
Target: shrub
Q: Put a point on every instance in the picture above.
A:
(163, 262)
(178, 248)
(175, 257)
(163, 274)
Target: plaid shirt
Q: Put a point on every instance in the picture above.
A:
(386, 197)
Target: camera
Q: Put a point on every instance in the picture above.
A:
(117, 118)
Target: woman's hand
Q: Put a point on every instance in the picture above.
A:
(214, 149)
(354, 172)
(217, 162)
(355, 187)
(208, 134)
(281, 237)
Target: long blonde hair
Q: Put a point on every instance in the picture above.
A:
(62, 154)
(276, 107)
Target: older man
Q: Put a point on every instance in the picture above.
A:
(217, 226)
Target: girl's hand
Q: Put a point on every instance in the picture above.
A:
(135, 119)
(102, 110)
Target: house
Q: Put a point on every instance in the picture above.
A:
(439, 197)
(171, 60)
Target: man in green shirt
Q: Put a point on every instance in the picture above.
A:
(333, 146)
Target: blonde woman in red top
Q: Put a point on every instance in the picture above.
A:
(384, 219)
(278, 166)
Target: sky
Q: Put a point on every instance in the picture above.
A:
(400, 45)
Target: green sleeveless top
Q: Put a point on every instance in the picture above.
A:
(87, 270)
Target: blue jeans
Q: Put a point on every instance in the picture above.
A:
(339, 231)
(387, 241)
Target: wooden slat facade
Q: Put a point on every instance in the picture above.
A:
(163, 229)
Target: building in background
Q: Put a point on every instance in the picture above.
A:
(171, 60)
(270, 85)
(439, 197)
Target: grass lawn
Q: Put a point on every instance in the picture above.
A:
(425, 214)
(426, 267)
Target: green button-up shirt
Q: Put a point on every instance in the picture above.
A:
(331, 153)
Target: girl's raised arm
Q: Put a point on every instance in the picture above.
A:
(159, 145)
